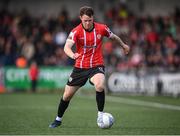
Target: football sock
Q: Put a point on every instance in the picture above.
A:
(100, 99)
(62, 107)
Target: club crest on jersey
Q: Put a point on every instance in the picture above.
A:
(99, 36)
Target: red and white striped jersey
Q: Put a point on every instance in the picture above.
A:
(89, 44)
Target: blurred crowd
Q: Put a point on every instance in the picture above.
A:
(25, 39)
(154, 41)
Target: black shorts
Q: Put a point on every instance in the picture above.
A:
(79, 76)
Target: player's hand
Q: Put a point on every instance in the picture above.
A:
(126, 49)
(76, 55)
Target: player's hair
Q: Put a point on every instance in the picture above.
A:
(85, 10)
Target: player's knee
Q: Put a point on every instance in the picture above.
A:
(99, 87)
(67, 97)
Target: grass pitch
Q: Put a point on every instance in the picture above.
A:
(30, 114)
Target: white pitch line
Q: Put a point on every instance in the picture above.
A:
(142, 103)
(138, 102)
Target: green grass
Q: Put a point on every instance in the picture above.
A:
(22, 114)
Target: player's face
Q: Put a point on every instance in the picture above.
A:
(87, 21)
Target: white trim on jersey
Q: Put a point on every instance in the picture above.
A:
(73, 35)
(109, 31)
(93, 48)
(111, 34)
(83, 48)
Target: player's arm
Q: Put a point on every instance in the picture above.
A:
(121, 43)
(68, 49)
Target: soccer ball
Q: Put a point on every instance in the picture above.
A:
(107, 121)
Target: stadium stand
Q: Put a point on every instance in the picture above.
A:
(154, 41)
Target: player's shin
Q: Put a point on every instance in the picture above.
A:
(62, 107)
(100, 99)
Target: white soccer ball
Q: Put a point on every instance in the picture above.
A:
(107, 121)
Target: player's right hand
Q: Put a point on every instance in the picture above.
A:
(76, 55)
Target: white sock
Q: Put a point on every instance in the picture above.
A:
(58, 118)
(100, 113)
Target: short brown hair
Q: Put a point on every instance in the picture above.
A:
(85, 10)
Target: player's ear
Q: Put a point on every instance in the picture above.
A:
(80, 17)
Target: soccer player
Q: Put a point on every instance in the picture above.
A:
(87, 37)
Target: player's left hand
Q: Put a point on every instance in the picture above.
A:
(126, 49)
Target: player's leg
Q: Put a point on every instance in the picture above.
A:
(77, 79)
(68, 94)
(64, 102)
(99, 83)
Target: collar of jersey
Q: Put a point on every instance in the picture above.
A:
(88, 30)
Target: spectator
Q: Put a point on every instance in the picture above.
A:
(33, 76)
(42, 39)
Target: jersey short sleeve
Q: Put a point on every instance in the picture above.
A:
(73, 36)
(107, 32)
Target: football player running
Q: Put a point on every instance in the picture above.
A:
(89, 64)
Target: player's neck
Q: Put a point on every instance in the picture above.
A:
(90, 29)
